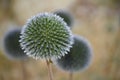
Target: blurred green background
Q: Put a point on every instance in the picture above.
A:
(96, 20)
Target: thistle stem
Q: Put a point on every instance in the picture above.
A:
(49, 70)
(70, 76)
(24, 75)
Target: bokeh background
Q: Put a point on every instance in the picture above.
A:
(96, 20)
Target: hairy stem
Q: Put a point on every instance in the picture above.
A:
(49, 70)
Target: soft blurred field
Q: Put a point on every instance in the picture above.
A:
(96, 20)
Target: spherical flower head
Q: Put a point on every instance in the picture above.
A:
(78, 58)
(46, 36)
(67, 17)
(12, 45)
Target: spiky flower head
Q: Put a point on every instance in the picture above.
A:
(12, 45)
(46, 36)
(78, 58)
(67, 17)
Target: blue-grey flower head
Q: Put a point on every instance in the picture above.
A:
(67, 17)
(78, 58)
(12, 45)
(46, 36)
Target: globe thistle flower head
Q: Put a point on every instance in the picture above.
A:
(67, 17)
(78, 58)
(46, 36)
(12, 45)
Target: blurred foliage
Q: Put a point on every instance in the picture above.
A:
(97, 20)
(5, 9)
(5, 64)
